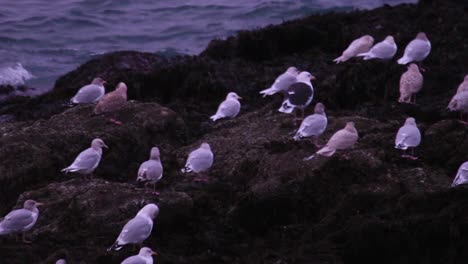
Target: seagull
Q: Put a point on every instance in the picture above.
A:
(463, 87)
(145, 256)
(112, 102)
(88, 160)
(21, 220)
(417, 50)
(459, 103)
(462, 175)
(151, 170)
(137, 229)
(199, 160)
(384, 50)
(408, 136)
(299, 95)
(360, 45)
(228, 108)
(411, 83)
(282, 82)
(313, 125)
(90, 93)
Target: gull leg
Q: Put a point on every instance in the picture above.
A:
(412, 155)
(404, 154)
(316, 142)
(154, 189)
(25, 240)
(201, 178)
(115, 121)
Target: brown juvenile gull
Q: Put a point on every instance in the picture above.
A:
(151, 171)
(462, 175)
(228, 108)
(313, 125)
(282, 82)
(299, 94)
(411, 83)
(137, 229)
(459, 103)
(384, 50)
(90, 93)
(463, 87)
(112, 102)
(408, 136)
(199, 160)
(417, 50)
(88, 160)
(360, 45)
(20, 220)
(342, 139)
(145, 256)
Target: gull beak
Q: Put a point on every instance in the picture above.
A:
(39, 204)
(312, 78)
(238, 97)
(104, 82)
(105, 146)
(154, 253)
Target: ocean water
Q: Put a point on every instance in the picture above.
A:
(41, 39)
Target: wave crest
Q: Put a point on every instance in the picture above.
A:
(15, 75)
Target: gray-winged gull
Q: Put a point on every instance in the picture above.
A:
(61, 261)
(299, 94)
(151, 171)
(88, 160)
(199, 160)
(20, 220)
(313, 125)
(137, 229)
(411, 83)
(282, 82)
(384, 50)
(145, 256)
(462, 175)
(417, 50)
(459, 103)
(342, 139)
(358, 46)
(90, 93)
(228, 108)
(463, 87)
(408, 136)
(112, 102)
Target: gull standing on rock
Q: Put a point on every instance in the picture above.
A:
(299, 95)
(313, 125)
(90, 93)
(138, 229)
(88, 160)
(20, 220)
(411, 83)
(384, 50)
(199, 160)
(360, 45)
(463, 87)
(462, 175)
(282, 82)
(145, 256)
(417, 50)
(459, 103)
(151, 170)
(228, 108)
(112, 102)
(408, 136)
(342, 139)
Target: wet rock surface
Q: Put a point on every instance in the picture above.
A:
(262, 203)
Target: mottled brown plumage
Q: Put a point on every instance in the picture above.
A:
(411, 82)
(112, 101)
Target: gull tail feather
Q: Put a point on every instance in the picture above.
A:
(340, 59)
(268, 91)
(326, 151)
(365, 55)
(286, 108)
(216, 117)
(186, 169)
(115, 246)
(404, 60)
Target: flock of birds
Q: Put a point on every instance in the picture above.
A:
(298, 93)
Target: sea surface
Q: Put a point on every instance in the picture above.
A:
(42, 39)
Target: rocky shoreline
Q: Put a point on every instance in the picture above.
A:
(263, 204)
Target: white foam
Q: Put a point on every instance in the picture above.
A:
(15, 75)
